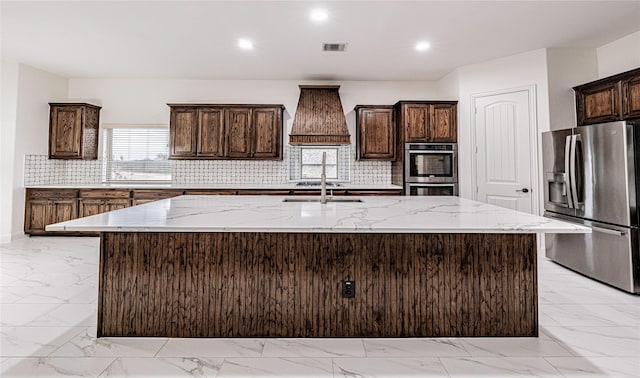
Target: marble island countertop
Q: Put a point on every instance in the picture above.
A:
(375, 214)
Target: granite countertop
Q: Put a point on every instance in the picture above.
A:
(378, 214)
(263, 186)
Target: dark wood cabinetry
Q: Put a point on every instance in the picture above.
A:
(375, 132)
(44, 207)
(96, 201)
(631, 97)
(211, 131)
(427, 121)
(47, 206)
(183, 134)
(73, 131)
(614, 98)
(442, 122)
(141, 196)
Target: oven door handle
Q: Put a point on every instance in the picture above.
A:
(427, 184)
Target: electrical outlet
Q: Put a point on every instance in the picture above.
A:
(348, 289)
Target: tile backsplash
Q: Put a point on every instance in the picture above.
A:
(40, 170)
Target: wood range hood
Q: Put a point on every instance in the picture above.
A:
(319, 118)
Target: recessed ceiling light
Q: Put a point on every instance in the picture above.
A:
(423, 46)
(319, 15)
(245, 44)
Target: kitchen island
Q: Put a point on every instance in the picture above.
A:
(258, 266)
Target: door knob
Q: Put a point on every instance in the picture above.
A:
(523, 190)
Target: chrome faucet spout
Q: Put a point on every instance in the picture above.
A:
(323, 180)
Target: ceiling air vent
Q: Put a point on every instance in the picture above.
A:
(334, 46)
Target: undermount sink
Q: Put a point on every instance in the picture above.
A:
(315, 199)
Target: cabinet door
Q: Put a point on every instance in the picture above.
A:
(37, 215)
(416, 122)
(238, 132)
(631, 91)
(210, 132)
(443, 123)
(267, 133)
(65, 131)
(90, 133)
(183, 132)
(116, 204)
(91, 207)
(376, 134)
(599, 103)
(63, 210)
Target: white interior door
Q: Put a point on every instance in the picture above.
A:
(504, 158)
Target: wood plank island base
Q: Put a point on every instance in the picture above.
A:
(419, 278)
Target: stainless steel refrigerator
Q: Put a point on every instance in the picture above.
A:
(591, 178)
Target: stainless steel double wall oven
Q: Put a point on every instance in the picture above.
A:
(431, 169)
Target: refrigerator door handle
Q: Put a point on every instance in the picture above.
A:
(567, 159)
(608, 231)
(572, 176)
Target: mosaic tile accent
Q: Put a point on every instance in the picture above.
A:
(40, 170)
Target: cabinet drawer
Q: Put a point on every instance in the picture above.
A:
(211, 192)
(51, 193)
(376, 192)
(104, 193)
(260, 192)
(156, 194)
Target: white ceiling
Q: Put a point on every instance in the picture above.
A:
(197, 40)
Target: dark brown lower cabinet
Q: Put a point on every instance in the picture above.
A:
(48, 206)
(45, 207)
(236, 284)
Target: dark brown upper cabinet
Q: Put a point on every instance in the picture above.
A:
(631, 97)
(442, 121)
(613, 98)
(210, 131)
(427, 121)
(238, 133)
(214, 131)
(375, 132)
(73, 131)
(267, 133)
(183, 132)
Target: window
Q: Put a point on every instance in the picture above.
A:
(311, 162)
(136, 154)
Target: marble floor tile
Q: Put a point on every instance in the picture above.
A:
(577, 367)
(287, 347)
(213, 347)
(164, 367)
(388, 367)
(598, 341)
(34, 341)
(54, 367)
(70, 315)
(86, 344)
(12, 314)
(59, 294)
(414, 347)
(276, 367)
(596, 315)
(499, 367)
(514, 347)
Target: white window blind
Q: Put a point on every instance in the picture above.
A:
(137, 154)
(311, 162)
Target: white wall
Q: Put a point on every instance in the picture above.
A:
(35, 89)
(510, 72)
(619, 56)
(567, 68)
(144, 101)
(8, 107)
